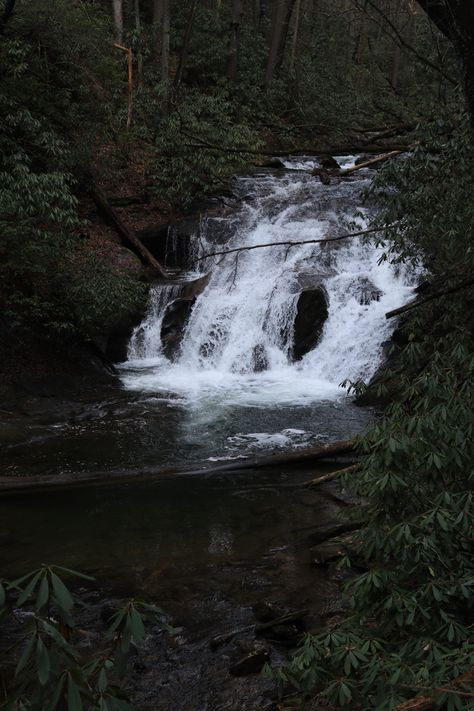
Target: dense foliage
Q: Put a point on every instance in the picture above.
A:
(47, 667)
(52, 62)
(411, 630)
(227, 80)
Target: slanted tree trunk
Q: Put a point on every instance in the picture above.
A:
(117, 6)
(128, 237)
(233, 56)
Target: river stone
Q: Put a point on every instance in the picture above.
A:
(329, 163)
(267, 611)
(252, 660)
(287, 635)
(311, 315)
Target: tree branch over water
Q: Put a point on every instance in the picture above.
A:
(419, 302)
(289, 244)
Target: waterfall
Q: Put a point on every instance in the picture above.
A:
(238, 340)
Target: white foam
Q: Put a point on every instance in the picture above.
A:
(248, 308)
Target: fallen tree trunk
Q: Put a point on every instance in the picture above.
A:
(18, 485)
(376, 161)
(338, 150)
(129, 239)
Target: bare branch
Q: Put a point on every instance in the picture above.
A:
(290, 244)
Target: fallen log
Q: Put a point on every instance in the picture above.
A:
(27, 485)
(128, 238)
(258, 627)
(330, 477)
(376, 161)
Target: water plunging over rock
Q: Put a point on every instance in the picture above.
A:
(280, 324)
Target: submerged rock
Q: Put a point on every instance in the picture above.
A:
(311, 315)
(251, 658)
(177, 314)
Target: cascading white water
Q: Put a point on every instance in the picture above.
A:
(243, 321)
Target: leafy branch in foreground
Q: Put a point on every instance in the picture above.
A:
(411, 626)
(51, 670)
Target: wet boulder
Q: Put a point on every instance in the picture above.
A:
(274, 164)
(311, 315)
(177, 315)
(174, 321)
(259, 359)
(250, 658)
(329, 163)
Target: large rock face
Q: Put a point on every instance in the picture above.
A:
(311, 315)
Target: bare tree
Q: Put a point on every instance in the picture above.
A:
(281, 16)
(185, 43)
(138, 28)
(117, 7)
(165, 54)
(235, 27)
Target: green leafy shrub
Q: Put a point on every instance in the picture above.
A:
(51, 671)
(57, 69)
(411, 626)
(202, 143)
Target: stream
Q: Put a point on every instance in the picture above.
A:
(208, 549)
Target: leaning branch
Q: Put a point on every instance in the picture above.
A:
(429, 702)
(419, 302)
(289, 243)
(330, 477)
(129, 239)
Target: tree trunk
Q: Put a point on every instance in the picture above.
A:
(117, 6)
(165, 56)
(296, 27)
(455, 19)
(129, 239)
(281, 16)
(233, 57)
(185, 44)
(139, 55)
(156, 32)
